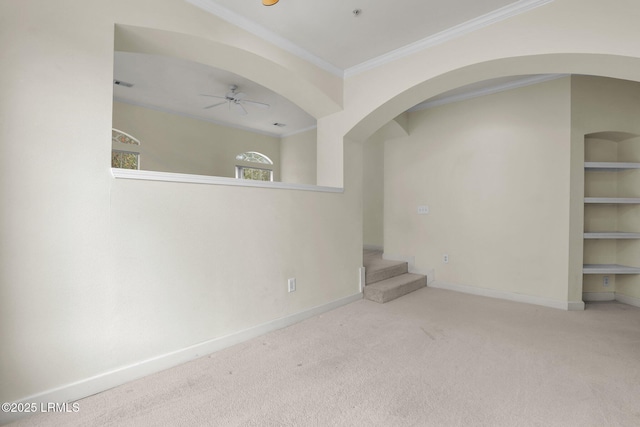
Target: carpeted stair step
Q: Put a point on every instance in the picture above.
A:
(394, 287)
(381, 269)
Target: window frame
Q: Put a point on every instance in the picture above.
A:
(131, 146)
(240, 173)
(137, 154)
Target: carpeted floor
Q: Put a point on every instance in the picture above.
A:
(431, 358)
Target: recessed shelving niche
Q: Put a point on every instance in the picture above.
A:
(611, 209)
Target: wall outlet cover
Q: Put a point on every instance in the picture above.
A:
(423, 210)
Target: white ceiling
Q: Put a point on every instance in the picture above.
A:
(326, 32)
(329, 34)
(176, 86)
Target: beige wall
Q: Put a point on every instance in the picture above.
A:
(494, 173)
(99, 273)
(174, 143)
(298, 158)
(373, 191)
(606, 105)
(76, 285)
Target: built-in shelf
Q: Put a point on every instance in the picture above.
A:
(609, 146)
(610, 166)
(609, 269)
(612, 235)
(613, 200)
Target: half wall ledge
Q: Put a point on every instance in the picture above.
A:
(216, 180)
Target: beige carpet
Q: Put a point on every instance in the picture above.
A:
(431, 358)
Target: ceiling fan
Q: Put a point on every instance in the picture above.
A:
(235, 100)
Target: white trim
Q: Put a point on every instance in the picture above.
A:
(216, 180)
(598, 296)
(116, 377)
(269, 161)
(137, 141)
(480, 22)
(472, 25)
(525, 81)
(265, 34)
(510, 296)
(625, 299)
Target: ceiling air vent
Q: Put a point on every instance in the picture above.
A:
(121, 83)
(280, 125)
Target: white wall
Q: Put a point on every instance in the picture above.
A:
(174, 143)
(97, 273)
(494, 172)
(64, 219)
(298, 158)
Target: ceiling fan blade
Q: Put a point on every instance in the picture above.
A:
(214, 105)
(256, 103)
(237, 106)
(239, 95)
(213, 96)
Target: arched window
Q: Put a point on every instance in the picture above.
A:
(121, 158)
(262, 173)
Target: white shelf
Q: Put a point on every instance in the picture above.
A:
(609, 269)
(610, 166)
(613, 200)
(612, 235)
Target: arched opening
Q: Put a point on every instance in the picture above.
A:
(197, 103)
(496, 186)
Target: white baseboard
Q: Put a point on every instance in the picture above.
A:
(598, 296)
(107, 380)
(628, 300)
(510, 296)
(610, 296)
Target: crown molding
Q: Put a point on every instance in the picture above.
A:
(252, 27)
(490, 18)
(265, 34)
(525, 81)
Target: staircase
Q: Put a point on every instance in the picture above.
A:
(387, 280)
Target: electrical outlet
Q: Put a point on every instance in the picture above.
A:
(445, 259)
(423, 210)
(291, 284)
(605, 281)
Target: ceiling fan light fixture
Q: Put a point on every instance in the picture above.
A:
(269, 2)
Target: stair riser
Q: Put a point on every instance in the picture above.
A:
(382, 296)
(385, 273)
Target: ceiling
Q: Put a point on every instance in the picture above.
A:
(326, 32)
(330, 34)
(176, 86)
